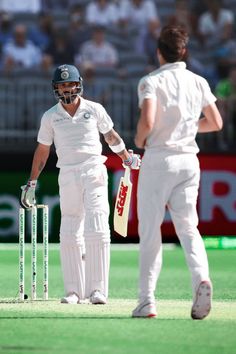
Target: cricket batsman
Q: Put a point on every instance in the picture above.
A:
(74, 125)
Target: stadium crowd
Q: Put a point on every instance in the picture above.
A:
(117, 40)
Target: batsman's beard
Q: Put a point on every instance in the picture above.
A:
(68, 97)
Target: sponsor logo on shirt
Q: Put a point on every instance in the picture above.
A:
(60, 119)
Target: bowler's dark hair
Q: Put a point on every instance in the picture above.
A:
(172, 43)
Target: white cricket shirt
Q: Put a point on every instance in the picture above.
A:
(75, 138)
(180, 97)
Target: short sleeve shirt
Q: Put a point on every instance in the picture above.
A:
(180, 96)
(75, 136)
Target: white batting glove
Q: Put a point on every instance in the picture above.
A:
(133, 162)
(27, 199)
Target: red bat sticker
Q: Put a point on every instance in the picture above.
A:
(122, 199)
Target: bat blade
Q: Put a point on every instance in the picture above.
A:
(121, 212)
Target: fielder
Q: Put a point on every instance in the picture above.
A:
(171, 99)
(74, 125)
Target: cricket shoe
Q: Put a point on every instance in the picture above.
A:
(97, 298)
(71, 298)
(202, 304)
(145, 309)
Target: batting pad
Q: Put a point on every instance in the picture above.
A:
(97, 264)
(72, 263)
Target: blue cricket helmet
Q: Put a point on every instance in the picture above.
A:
(67, 73)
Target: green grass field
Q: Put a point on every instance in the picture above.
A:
(51, 327)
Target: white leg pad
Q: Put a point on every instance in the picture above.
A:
(72, 269)
(71, 252)
(97, 264)
(97, 245)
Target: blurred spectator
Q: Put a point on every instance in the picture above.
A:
(150, 43)
(59, 51)
(216, 24)
(21, 6)
(94, 88)
(6, 27)
(198, 7)
(41, 32)
(183, 16)
(57, 6)
(78, 31)
(227, 87)
(20, 52)
(226, 57)
(195, 65)
(101, 12)
(97, 52)
(225, 92)
(139, 14)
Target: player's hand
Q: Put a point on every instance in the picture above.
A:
(133, 162)
(27, 199)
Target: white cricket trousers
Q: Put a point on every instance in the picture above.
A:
(170, 180)
(84, 228)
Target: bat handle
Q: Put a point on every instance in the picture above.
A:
(127, 174)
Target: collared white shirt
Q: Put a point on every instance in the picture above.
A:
(180, 96)
(75, 138)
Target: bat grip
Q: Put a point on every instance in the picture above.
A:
(127, 174)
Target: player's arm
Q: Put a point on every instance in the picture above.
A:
(39, 161)
(212, 120)
(146, 122)
(28, 191)
(117, 145)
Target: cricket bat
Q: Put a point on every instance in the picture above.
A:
(121, 212)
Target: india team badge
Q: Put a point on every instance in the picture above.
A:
(65, 75)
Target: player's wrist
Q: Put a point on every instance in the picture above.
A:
(118, 148)
(32, 183)
(128, 162)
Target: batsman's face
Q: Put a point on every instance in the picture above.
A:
(67, 88)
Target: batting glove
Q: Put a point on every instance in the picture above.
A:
(133, 162)
(27, 199)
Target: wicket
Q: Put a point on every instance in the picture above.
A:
(34, 223)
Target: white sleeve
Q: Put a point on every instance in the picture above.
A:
(45, 134)
(145, 90)
(90, 13)
(124, 9)
(113, 14)
(112, 55)
(151, 11)
(207, 97)
(105, 123)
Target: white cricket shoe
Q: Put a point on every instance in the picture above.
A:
(145, 309)
(71, 298)
(202, 303)
(97, 298)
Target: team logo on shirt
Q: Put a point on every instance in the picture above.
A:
(86, 115)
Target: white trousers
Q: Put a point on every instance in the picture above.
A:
(84, 228)
(168, 180)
